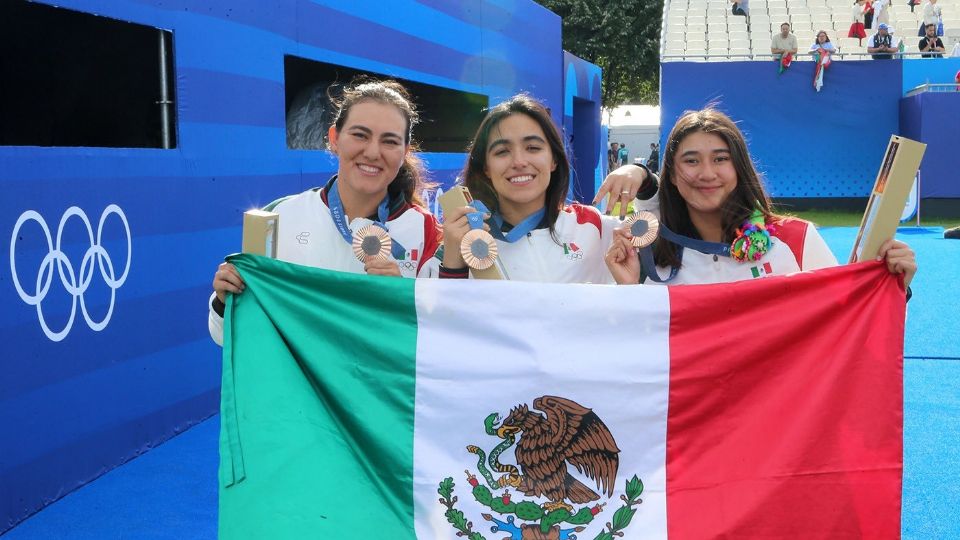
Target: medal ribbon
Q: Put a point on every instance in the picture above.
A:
(339, 216)
(649, 267)
(518, 231)
(475, 219)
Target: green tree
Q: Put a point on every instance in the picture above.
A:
(620, 36)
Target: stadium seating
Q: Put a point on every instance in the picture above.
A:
(707, 30)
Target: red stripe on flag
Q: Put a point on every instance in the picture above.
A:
(786, 407)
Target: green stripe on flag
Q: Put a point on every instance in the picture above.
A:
(296, 460)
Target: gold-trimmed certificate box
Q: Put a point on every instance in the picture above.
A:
(260, 233)
(458, 197)
(885, 206)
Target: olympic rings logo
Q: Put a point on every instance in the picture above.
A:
(407, 265)
(76, 283)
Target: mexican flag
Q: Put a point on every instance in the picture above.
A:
(784, 62)
(367, 407)
(822, 57)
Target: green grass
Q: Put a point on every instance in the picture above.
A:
(839, 218)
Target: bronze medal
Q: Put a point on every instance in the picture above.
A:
(643, 228)
(479, 249)
(371, 241)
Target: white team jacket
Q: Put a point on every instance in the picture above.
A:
(307, 235)
(796, 246)
(576, 256)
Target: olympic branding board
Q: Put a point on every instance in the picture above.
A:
(75, 276)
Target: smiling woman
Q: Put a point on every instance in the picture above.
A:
(712, 200)
(518, 168)
(374, 194)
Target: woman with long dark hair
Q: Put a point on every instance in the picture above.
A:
(517, 166)
(711, 194)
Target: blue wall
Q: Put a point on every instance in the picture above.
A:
(929, 70)
(581, 122)
(72, 409)
(934, 118)
(807, 144)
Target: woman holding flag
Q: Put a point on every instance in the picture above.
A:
(517, 167)
(822, 43)
(821, 50)
(720, 220)
(373, 199)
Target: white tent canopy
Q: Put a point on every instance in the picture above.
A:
(632, 115)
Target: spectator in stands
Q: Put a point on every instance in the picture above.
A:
(881, 10)
(880, 45)
(930, 45)
(741, 7)
(623, 154)
(613, 156)
(913, 4)
(868, 14)
(856, 29)
(822, 42)
(653, 162)
(783, 43)
(931, 15)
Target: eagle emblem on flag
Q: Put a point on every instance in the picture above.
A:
(557, 436)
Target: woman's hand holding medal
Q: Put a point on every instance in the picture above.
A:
(371, 245)
(622, 260)
(456, 225)
(638, 231)
(378, 266)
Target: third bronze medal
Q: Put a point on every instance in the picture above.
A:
(643, 227)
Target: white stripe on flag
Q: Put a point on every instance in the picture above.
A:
(471, 362)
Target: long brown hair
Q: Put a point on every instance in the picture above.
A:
(411, 180)
(748, 196)
(481, 187)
